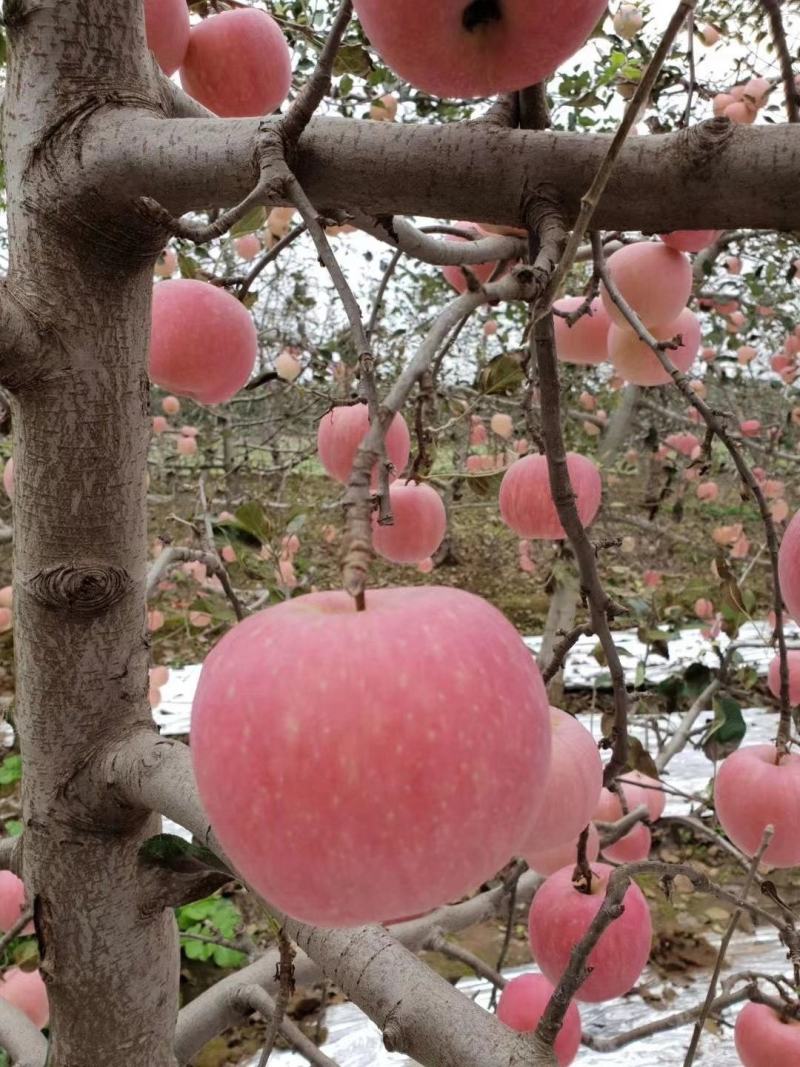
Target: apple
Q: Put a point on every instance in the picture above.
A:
(750, 428)
(636, 362)
(287, 364)
(587, 341)
(522, 1004)
(690, 240)
(746, 354)
(26, 990)
(420, 522)
(774, 677)
(384, 109)
(170, 405)
(386, 751)
(238, 64)
(6, 596)
(637, 788)
(634, 846)
(166, 24)
(12, 901)
(754, 788)
(473, 48)
(550, 860)
(203, 343)
(247, 247)
(628, 21)
(526, 501)
(160, 424)
(482, 271)
(166, 264)
(561, 914)
(502, 425)
(685, 443)
(765, 1039)
(634, 269)
(342, 430)
(573, 785)
(186, 446)
(788, 566)
(704, 609)
(710, 34)
(741, 112)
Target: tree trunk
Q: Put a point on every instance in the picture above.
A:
(83, 266)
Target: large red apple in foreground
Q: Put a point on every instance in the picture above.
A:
(560, 916)
(753, 791)
(469, 48)
(342, 430)
(26, 990)
(573, 786)
(764, 1039)
(654, 280)
(203, 343)
(526, 502)
(522, 1004)
(166, 25)
(789, 567)
(238, 64)
(349, 760)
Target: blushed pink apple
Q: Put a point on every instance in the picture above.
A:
(634, 269)
(637, 789)
(522, 1004)
(394, 781)
(238, 64)
(764, 1039)
(472, 48)
(160, 424)
(6, 597)
(704, 609)
(634, 846)
(774, 676)
(559, 917)
(287, 364)
(746, 354)
(573, 785)
(12, 902)
(186, 446)
(754, 790)
(203, 343)
(482, 271)
(384, 109)
(587, 341)
(750, 428)
(502, 425)
(741, 112)
(710, 34)
(685, 443)
(167, 264)
(690, 240)
(707, 491)
(342, 430)
(420, 522)
(166, 24)
(26, 990)
(526, 502)
(638, 364)
(553, 859)
(247, 247)
(721, 102)
(628, 21)
(170, 405)
(490, 328)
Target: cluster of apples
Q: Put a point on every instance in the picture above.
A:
(604, 334)
(785, 360)
(743, 102)
(25, 990)
(236, 63)
(185, 437)
(420, 520)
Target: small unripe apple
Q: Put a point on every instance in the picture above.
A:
(394, 780)
(526, 500)
(238, 64)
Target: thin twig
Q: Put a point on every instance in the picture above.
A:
(773, 9)
(286, 970)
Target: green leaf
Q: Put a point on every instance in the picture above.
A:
(13, 827)
(10, 770)
(352, 59)
(503, 375)
(173, 853)
(251, 222)
(228, 957)
(189, 267)
(726, 732)
(251, 520)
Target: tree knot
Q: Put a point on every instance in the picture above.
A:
(82, 588)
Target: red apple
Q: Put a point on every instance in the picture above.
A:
(342, 430)
(586, 341)
(788, 566)
(638, 364)
(637, 789)
(203, 343)
(26, 990)
(750, 428)
(470, 48)
(573, 786)
(166, 24)
(375, 772)
(654, 280)
(553, 859)
(690, 240)
(522, 1004)
(247, 247)
(764, 1039)
(634, 846)
(238, 64)
(420, 522)
(560, 916)
(481, 271)
(502, 425)
(12, 901)
(754, 790)
(526, 502)
(685, 443)
(774, 677)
